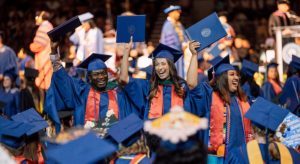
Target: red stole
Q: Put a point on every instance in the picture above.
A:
(156, 106)
(93, 101)
(277, 88)
(217, 120)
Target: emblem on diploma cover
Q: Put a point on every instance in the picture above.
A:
(206, 32)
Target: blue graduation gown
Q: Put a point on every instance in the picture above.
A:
(247, 89)
(202, 78)
(290, 95)
(170, 38)
(268, 91)
(240, 155)
(11, 100)
(194, 100)
(66, 93)
(8, 60)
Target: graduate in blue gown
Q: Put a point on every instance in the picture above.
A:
(266, 118)
(290, 96)
(94, 101)
(9, 94)
(249, 85)
(271, 87)
(165, 88)
(202, 66)
(8, 58)
(228, 128)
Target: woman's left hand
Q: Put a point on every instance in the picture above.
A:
(193, 45)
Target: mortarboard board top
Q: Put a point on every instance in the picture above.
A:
(124, 131)
(283, 2)
(249, 68)
(267, 114)
(86, 149)
(272, 64)
(164, 51)
(216, 62)
(85, 16)
(295, 62)
(128, 26)
(31, 117)
(31, 72)
(206, 31)
(94, 62)
(172, 8)
(61, 30)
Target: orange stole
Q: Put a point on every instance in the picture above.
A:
(156, 106)
(217, 121)
(277, 88)
(93, 102)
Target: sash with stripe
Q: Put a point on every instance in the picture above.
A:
(93, 104)
(157, 104)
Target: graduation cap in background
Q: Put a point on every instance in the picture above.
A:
(148, 70)
(127, 131)
(128, 26)
(206, 31)
(171, 8)
(295, 62)
(12, 133)
(68, 26)
(94, 62)
(86, 149)
(272, 64)
(216, 62)
(31, 117)
(31, 73)
(164, 51)
(249, 68)
(11, 73)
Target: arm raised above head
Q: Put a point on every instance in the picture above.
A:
(192, 76)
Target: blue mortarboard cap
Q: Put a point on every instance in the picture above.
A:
(295, 62)
(11, 73)
(216, 62)
(94, 62)
(223, 68)
(12, 132)
(283, 1)
(272, 64)
(266, 113)
(128, 26)
(172, 8)
(31, 72)
(125, 130)
(70, 25)
(86, 149)
(164, 51)
(31, 117)
(249, 68)
(206, 31)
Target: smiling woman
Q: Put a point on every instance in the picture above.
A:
(166, 89)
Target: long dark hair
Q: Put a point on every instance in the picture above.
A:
(221, 86)
(173, 77)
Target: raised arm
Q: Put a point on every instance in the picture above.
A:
(192, 77)
(124, 78)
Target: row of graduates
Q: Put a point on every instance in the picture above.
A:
(224, 104)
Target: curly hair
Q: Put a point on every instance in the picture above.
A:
(173, 77)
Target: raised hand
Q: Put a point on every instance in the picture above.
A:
(128, 46)
(193, 45)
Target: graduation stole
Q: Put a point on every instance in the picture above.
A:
(93, 104)
(217, 121)
(157, 103)
(277, 88)
(254, 153)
